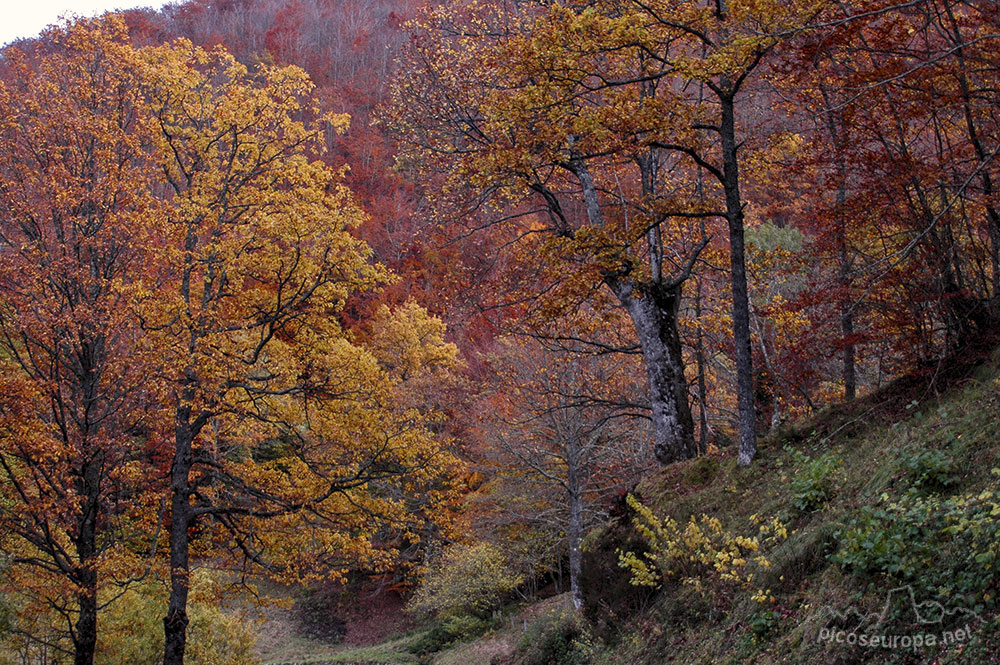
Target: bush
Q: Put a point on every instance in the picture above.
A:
(700, 551)
(763, 626)
(448, 632)
(812, 486)
(929, 469)
(132, 628)
(558, 637)
(941, 547)
(469, 581)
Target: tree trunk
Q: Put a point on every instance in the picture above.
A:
(847, 327)
(992, 214)
(181, 515)
(575, 553)
(741, 301)
(838, 134)
(699, 351)
(85, 630)
(653, 310)
(85, 634)
(846, 307)
(89, 488)
(575, 530)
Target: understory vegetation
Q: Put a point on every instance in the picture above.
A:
(889, 506)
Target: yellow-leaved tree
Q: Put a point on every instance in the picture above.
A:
(174, 259)
(277, 414)
(610, 130)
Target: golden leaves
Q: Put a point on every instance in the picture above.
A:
(168, 206)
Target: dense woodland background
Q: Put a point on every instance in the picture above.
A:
(365, 303)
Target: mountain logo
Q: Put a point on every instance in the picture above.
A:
(902, 623)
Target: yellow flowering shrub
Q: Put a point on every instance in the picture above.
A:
(699, 552)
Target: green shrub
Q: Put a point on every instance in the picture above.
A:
(929, 469)
(813, 485)
(941, 547)
(763, 625)
(451, 631)
(558, 637)
(469, 581)
(434, 640)
(464, 627)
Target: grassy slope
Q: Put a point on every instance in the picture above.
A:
(874, 439)
(400, 650)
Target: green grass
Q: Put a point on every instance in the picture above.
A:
(395, 651)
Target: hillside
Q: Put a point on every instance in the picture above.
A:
(891, 507)
(896, 493)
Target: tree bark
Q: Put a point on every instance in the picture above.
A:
(846, 307)
(85, 633)
(181, 516)
(88, 488)
(838, 134)
(653, 310)
(575, 530)
(85, 630)
(699, 352)
(737, 258)
(992, 214)
(846, 318)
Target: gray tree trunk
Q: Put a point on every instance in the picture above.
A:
(741, 301)
(850, 376)
(653, 310)
(575, 530)
(699, 352)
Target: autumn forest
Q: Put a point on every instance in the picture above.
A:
(328, 323)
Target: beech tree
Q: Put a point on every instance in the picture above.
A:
(175, 261)
(276, 413)
(617, 126)
(561, 439)
(80, 415)
(539, 151)
(897, 109)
